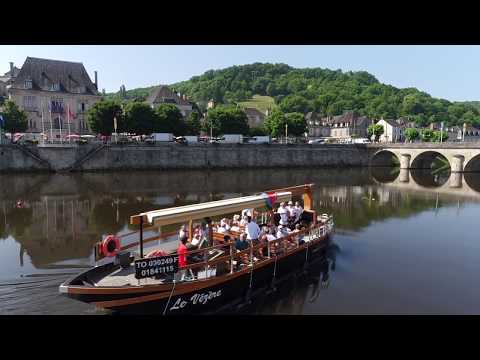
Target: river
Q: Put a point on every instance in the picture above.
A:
(405, 242)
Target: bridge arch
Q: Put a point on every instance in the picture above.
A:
(384, 158)
(473, 165)
(428, 160)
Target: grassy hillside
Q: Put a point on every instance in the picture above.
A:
(262, 103)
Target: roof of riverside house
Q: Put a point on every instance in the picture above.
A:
(163, 94)
(392, 122)
(71, 76)
(351, 118)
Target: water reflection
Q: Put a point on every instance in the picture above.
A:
(51, 222)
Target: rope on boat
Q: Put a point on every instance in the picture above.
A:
(169, 298)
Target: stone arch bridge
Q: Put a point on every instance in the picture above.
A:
(462, 157)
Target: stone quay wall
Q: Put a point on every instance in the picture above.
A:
(99, 157)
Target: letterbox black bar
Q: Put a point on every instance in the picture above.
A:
(141, 237)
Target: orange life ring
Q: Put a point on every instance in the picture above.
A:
(110, 245)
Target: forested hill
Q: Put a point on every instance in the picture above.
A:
(329, 92)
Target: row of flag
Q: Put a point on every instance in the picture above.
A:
(58, 108)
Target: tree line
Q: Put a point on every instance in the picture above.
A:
(140, 118)
(328, 92)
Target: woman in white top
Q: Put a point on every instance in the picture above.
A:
(244, 221)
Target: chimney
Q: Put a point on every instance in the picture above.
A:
(11, 68)
(96, 80)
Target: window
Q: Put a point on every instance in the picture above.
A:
(55, 87)
(28, 84)
(29, 102)
(83, 107)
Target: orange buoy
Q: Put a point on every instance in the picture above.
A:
(110, 245)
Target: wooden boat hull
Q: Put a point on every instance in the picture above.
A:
(197, 297)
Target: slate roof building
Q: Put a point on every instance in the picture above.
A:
(60, 90)
(164, 95)
(341, 126)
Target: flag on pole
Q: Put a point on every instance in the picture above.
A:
(2, 121)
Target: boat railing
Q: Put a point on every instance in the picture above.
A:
(251, 256)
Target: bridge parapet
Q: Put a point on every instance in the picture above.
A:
(421, 155)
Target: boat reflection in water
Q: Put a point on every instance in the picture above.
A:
(291, 296)
(50, 222)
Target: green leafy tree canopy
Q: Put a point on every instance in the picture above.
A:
(411, 134)
(100, 117)
(15, 118)
(375, 130)
(226, 120)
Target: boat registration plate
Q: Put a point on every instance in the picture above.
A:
(145, 268)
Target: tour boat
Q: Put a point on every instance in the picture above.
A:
(220, 275)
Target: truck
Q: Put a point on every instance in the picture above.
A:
(259, 140)
(191, 139)
(161, 137)
(232, 139)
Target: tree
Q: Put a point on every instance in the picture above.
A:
(193, 125)
(427, 135)
(100, 117)
(258, 131)
(139, 118)
(226, 120)
(411, 134)
(437, 134)
(294, 103)
(297, 125)
(276, 123)
(375, 130)
(169, 119)
(15, 118)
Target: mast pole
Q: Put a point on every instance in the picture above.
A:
(141, 237)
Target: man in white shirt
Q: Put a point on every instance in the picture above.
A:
(291, 209)
(252, 230)
(298, 211)
(284, 214)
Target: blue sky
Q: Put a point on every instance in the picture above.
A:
(450, 72)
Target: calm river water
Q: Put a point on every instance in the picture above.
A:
(405, 242)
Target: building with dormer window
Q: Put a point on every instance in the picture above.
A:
(60, 90)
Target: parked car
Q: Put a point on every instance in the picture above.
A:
(361, 141)
(317, 141)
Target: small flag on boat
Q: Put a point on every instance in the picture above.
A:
(270, 199)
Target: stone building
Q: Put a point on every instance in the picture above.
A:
(61, 91)
(341, 126)
(6, 80)
(164, 95)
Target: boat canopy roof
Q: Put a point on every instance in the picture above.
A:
(208, 209)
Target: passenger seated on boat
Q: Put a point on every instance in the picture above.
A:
(198, 230)
(282, 231)
(235, 223)
(223, 227)
(298, 238)
(242, 243)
